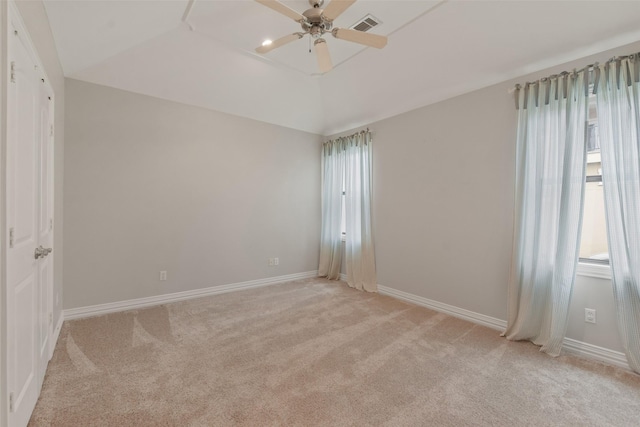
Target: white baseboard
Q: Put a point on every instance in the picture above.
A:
(97, 310)
(591, 351)
(578, 348)
(480, 319)
(56, 334)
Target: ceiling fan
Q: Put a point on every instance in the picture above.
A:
(316, 22)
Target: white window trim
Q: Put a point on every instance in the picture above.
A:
(601, 271)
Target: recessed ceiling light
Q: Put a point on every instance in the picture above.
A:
(267, 42)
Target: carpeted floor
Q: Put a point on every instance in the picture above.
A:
(317, 353)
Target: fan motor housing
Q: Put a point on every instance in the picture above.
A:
(315, 23)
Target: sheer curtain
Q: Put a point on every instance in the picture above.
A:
(348, 160)
(618, 104)
(333, 161)
(360, 256)
(550, 177)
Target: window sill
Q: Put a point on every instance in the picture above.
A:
(593, 270)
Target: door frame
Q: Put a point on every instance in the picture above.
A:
(10, 15)
(50, 192)
(4, 32)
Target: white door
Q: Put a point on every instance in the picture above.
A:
(25, 299)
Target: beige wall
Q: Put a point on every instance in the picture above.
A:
(35, 18)
(155, 185)
(444, 227)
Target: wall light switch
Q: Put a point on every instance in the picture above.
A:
(163, 275)
(276, 261)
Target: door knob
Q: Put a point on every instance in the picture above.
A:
(40, 252)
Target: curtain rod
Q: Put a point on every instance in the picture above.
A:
(589, 67)
(362, 132)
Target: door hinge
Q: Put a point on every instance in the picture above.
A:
(13, 72)
(11, 237)
(51, 318)
(51, 131)
(11, 402)
(50, 224)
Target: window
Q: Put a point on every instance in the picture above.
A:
(593, 243)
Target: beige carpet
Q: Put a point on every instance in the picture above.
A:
(312, 353)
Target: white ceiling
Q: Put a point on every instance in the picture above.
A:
(201, 52)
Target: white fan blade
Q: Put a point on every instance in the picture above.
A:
(367, 39)
(322, 53)
(335, 8)
(283, 9)
(280, 42)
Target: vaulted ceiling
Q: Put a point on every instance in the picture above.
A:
(201, 52)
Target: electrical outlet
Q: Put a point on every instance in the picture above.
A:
(163, 275)
(271, 262)
(276, 261)
(590, 315)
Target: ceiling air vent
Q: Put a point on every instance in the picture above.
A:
(366, 23)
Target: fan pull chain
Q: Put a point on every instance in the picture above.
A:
(309, 44)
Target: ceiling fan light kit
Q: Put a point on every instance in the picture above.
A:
(322, 53)
(316, 22)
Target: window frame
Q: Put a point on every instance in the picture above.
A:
(590, 269)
